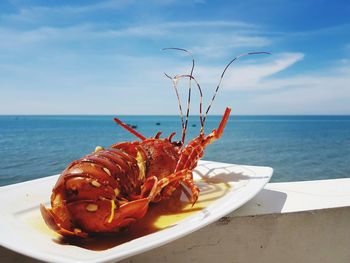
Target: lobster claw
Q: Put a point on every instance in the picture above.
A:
(53, 222)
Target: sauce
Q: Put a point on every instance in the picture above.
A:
(159, 216)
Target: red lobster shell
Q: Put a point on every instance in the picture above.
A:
(112, 188)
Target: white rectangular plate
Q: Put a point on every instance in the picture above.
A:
(20, 204)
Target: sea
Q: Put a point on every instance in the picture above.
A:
(297, 147)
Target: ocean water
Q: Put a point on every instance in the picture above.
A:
(297, 147)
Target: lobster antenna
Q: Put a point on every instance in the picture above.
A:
(222, 76)
(174, 80)
(200, 95)
(178, 99)
(129, 129)
(184, 50)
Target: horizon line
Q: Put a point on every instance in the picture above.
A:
(165, 115)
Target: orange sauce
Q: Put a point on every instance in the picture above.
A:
(161, 215)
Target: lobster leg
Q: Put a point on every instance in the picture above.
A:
(134, 210)
(194, 150)
(167, 185)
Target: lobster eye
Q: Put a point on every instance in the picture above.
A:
(177, 144)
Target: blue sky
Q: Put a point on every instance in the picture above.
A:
(103, 57)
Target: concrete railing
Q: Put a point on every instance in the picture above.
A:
(286, 222)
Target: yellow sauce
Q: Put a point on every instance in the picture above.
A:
(159, 216)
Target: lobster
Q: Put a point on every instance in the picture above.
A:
(108, 190)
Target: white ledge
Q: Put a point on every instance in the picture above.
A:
(298, 196)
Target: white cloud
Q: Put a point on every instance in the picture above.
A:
(35, 13)
(155, 29)
(207, 42)
(318, 92)
(252, 76)
(50, 27)
(208, 23)
(315, 94)
(326, 92)
(214, 45)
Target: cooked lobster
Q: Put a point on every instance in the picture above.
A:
(111, 188)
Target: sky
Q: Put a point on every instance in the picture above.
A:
(105, 57)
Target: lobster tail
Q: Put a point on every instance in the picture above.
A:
(90, 189)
